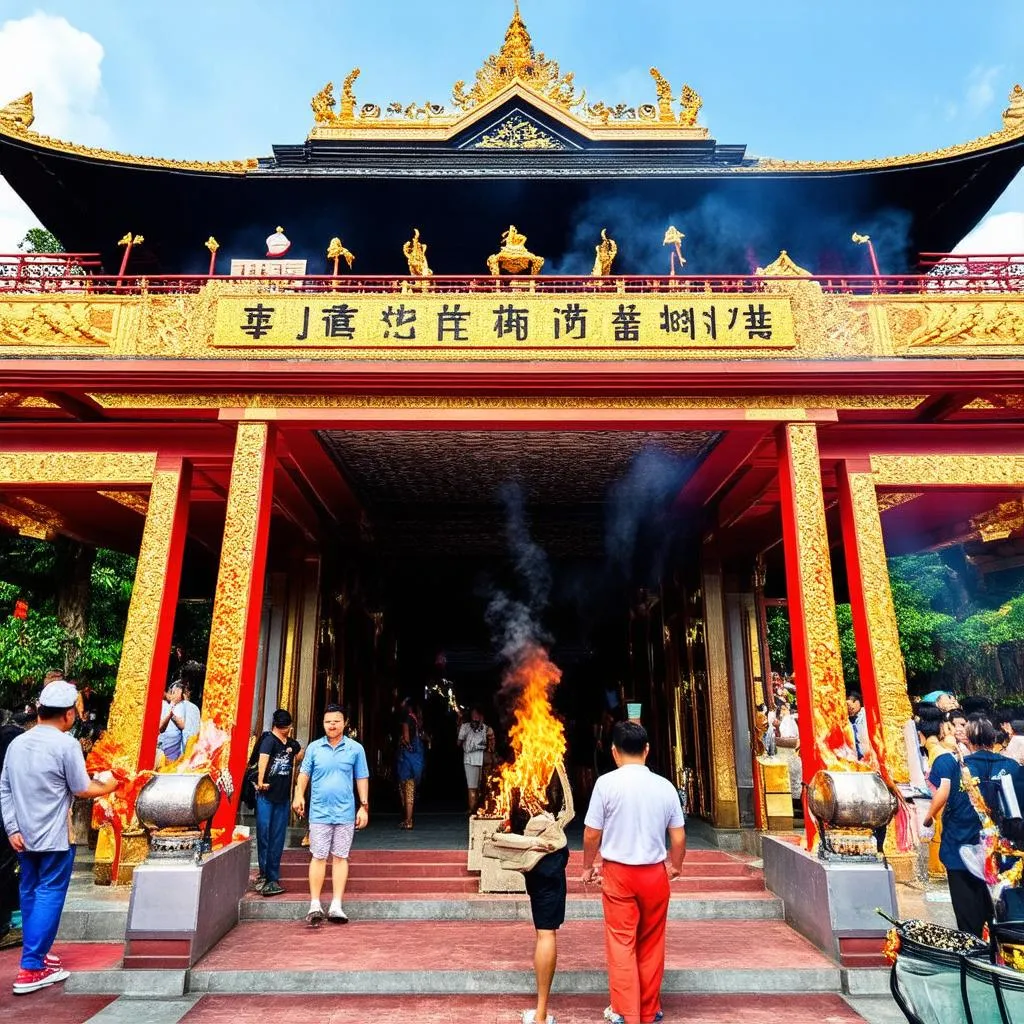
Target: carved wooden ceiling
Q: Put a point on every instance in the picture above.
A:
(440, 491)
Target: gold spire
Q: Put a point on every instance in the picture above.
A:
(19, 112)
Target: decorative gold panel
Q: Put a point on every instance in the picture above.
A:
(76, 467)
(948, 470)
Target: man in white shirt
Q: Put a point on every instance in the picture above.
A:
(630, 811)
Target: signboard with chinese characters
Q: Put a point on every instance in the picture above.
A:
(505, 323)
(268, 268)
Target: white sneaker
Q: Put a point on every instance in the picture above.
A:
(612, 1017)
(336, 915)
(530, 1017)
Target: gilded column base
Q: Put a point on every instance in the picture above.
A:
(134, 850)
(904, 866)
(726, 814)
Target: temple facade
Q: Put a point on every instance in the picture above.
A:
(523, 286)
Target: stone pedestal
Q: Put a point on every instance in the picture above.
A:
(479, 829)
(180, 909)
(833, 903)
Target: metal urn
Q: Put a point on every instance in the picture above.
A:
(174, 807)
(850, 808)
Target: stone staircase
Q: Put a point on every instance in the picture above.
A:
(423, 941)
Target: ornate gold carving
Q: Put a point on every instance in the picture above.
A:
(516, 63)
(517, 60)
(26, 525)
(53, 322)
(514, 257)
(130, 499)
(814, 611)
(958, 322)
(783, 266)
(336, 251)
(664, 91)
(138, 655)
(998, 523)
(257, 400)
(725, 799)
(883, 641)
(604, 255)
(19, 113)
(70, 467)
(234, 577)
(690, 102)
(893, 499)
(948, 470)
(415, 253)
(17, 124)
(1013, 115)
(518, 133)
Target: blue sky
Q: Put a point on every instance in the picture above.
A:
(794, 78)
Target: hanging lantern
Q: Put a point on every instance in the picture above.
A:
(21, 608)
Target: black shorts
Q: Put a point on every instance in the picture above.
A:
(546, 886)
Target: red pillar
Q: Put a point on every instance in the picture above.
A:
(817, 664)
(237, 606)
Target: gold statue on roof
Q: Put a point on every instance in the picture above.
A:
(605, 253)
(415, 253)
(517, 60)
(514, 257)
(1013, 115)
(691, 102)
(19, 112)
(664, 90)
(336, 251)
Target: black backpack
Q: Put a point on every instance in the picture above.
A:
(252, 768)
(991, 788)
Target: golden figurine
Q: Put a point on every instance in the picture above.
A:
(691, 103)
(416, 254)
(674, 237)
(1013, 115)
(323, 105)
(664, 96)
(514, 257)
(336, 251)
(348, 97)
(605, 252)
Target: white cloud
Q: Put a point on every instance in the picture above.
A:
(981, 88)
(997, 233)
(60, 65)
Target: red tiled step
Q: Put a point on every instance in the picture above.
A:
(51, 1005)
(459, 856)
(697, 1009)
(500, 945)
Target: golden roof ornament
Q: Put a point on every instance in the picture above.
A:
(415, 253)
(1013, 115)
(783, 266)
(336, 251)
(605, 252)
(690, 102)
(514, 257)
(19, 113)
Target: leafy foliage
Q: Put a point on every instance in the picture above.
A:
(780, 651)
(40, 240)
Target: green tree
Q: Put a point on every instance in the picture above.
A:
(780, 651)
(39, 240)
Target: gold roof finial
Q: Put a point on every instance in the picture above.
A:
(212, 244)
(1013, 115)
(19, 112)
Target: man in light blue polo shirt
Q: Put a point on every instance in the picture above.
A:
(43, 770)
(336, 767)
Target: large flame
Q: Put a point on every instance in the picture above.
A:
(537, 737)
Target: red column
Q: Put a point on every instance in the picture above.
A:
(237, 606)
(817, 664)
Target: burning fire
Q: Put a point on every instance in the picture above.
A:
(537, 737)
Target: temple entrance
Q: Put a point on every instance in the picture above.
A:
(466, 537)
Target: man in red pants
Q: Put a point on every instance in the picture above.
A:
(630, 811)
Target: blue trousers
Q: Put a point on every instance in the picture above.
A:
(271, 829)
(45, 878)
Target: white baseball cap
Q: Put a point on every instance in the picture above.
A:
(58, 694)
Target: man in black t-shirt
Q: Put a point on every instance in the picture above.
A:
(278, 756)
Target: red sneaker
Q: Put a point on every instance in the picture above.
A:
(52, 960)
(31, 981)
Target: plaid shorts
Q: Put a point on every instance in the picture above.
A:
(330, 840)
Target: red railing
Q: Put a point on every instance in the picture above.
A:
(76, 273)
